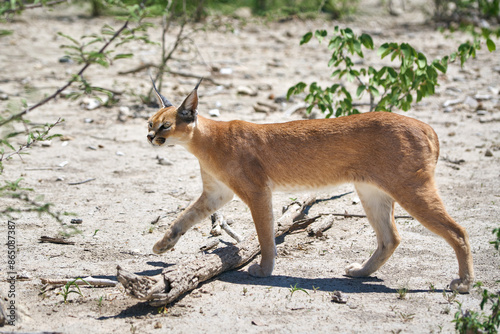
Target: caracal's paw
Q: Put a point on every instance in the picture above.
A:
(160, 247)
(167, 242)
(461, 286)
(256, 270)
(355, 270)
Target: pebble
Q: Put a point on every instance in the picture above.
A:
(471, 102)
(214, 112)
(76, 221)
(65, 59)
(448, 103)
(164, 162)
(482, 97)
(226, 71)
(124, 109)
(245, 90)
(339, 297)
(93, 104)
(4, 97)
(488, 153)
(481, 112)
(119, 153)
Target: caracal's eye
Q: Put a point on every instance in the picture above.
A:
(150, 125)
(165, 126)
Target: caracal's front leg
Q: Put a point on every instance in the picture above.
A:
(260, 204)
(215, 195)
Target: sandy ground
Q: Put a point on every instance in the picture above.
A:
(131, 189)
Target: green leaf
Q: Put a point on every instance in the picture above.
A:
(439, 66)
(421, 61)
(374, 91)
(306, 38)
(491, 45)
(367, 41)
(123, 55)
(320, 34)
(360, 90)
(383, 50)
(68, 37)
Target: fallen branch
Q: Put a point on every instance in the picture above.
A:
(350, 215)
(183, 277)
(81, 182)
(316, 229)
(219, 223)
(56, 240)
(95, 282)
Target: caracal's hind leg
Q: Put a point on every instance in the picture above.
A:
(425, 205)
(379, 208)
(215, 195)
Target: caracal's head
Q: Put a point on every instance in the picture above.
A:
(171, 125)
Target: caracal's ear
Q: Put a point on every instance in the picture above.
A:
(188, 109)
(162, 100)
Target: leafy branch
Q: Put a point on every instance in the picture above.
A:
(390, 87)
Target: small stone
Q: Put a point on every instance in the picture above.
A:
(339, 297)
(488, 153)
(494, 90)
(124, 109)
(76, 221)
(448, 103)
(164, 162)
(448, 109)
(452, 134)
(4, 97)
(214, 112)
(46, 143)
(62, 164)
(88, 120)
(66, 138)
(245, 90)
(158, 325)
(481, 112)
(65, 59)
(482, 97)
(119, 153)
(282, 99)
(261, 108)
(471, 102)
(226, 71)
(93, 104)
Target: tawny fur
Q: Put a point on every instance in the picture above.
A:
(388, 157)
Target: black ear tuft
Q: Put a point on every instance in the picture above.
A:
(188, 109)
(161, 99)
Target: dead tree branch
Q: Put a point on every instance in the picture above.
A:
(183, 277)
